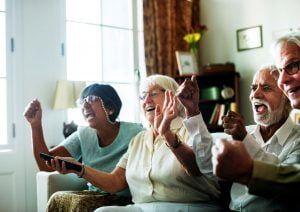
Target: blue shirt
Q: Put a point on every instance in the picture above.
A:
(84, 143)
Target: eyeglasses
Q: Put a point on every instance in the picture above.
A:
(151, 94)
(91, 99)
(290, 69)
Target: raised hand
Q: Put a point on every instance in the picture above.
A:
(234, 125)
(188, 95)
(33, 112)
(164, 116)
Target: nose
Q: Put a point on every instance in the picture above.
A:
(256, 94)
(85, 104)
(283, 79)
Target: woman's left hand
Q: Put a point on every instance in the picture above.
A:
(164, 116)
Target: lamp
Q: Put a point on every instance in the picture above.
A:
(67, 93)
(65, 97)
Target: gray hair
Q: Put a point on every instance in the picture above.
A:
(291, 37)
(166, 83)
(269, 67)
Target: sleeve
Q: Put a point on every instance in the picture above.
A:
(269, 180)
(123, 161)
(201, 140)
(72, 145)
(256, 152)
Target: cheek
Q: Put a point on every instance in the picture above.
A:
(279, 83)
(251, 96)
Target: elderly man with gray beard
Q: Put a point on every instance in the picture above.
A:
(275, 138)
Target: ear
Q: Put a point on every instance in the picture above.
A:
(111, 111)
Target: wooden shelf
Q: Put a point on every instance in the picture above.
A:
(215, 79)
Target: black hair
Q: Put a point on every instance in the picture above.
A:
(109, 96)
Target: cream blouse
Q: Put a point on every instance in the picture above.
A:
(154, 174)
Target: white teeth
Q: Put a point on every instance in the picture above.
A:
(89, 115)
(148, 109)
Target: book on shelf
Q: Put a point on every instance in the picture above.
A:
(211, 120)
(219, 111)
(233, 107)
(216, 116)
(221, 114)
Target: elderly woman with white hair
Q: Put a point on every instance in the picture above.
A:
(159, 166)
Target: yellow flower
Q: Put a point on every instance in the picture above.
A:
(192, 38)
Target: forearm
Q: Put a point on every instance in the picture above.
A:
(109, 182)
(202, 142)
(184, 154)
(269, 180)
(38, 146)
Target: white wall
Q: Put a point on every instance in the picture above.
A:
(38, 65)
(224, 17)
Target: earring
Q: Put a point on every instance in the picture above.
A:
(107, 114)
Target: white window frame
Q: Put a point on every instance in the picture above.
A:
(139, 68)
(10, 49)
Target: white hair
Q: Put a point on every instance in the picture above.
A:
(291, 37)
(166, 83)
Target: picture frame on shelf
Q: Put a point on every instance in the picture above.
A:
(186, 62)
(249, 38)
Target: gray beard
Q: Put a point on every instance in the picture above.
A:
(272, 117)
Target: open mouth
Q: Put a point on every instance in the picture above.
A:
(89, 115)
(150, 108)
(260, 108)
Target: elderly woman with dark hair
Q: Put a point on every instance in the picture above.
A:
(100, 144)
(159, 166)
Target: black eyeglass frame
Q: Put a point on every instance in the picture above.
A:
(291, 69)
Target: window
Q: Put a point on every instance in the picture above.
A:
(3, 77)
(104, 43)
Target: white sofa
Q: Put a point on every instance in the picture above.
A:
(50, 182)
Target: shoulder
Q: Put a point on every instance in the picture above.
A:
(85, 131)
(129, 127)
(251, 128)
(140, 138)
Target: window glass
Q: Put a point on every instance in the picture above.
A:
(2, 5)
(3, 89)
(86, 11)
(100, 48)
(2, 45)
(3, 112)
(117, 13)
(83, 52)
(117, 55)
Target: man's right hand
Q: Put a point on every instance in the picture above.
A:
(188, 95)
(234, 125)
(33, 112)
(231, 161)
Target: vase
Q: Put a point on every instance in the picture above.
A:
(195, 53)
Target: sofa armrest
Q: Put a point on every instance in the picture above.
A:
(50, 182)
